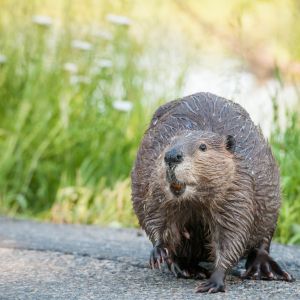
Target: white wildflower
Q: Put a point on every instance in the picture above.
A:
(81, 45)
(40, 20)
(104, 63)
(103, 34)
(123, 105)
(101, 64)
(3, 59)
(118, 20)
(70, 67)
(74, 80)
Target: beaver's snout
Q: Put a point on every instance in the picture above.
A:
(173, 156)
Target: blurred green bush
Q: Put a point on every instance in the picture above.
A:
(286, 148)
(75, 100)
(78, 86)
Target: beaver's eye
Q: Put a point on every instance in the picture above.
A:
(202, 147)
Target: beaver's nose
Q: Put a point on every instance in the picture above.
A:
(173, 156)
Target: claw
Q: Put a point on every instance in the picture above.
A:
(157, 257)
(158, 263)
(152, 262)
(257, 275)
(214, 284)
(247, 273)
(175, 269)
(288, 277)
(262, 266)
(210, 287)
(192, 271)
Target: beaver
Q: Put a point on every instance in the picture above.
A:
(206, 188)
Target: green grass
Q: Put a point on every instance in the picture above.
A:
(286, 148)
(66, 150)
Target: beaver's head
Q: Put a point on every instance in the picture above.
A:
(198, 163)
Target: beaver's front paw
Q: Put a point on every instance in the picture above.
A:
(214, 284)
(158, 256)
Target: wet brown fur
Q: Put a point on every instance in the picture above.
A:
(232, 198)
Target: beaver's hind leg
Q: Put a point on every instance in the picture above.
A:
(260, 265)
(180, 267)
(184, 268)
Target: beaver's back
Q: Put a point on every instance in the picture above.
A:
(207, 112)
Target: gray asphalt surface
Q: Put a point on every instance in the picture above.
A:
(49, 261)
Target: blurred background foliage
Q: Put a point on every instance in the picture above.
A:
(80, 79)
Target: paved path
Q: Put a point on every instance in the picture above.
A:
(48, 261)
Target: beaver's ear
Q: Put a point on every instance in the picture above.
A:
(230, 143)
